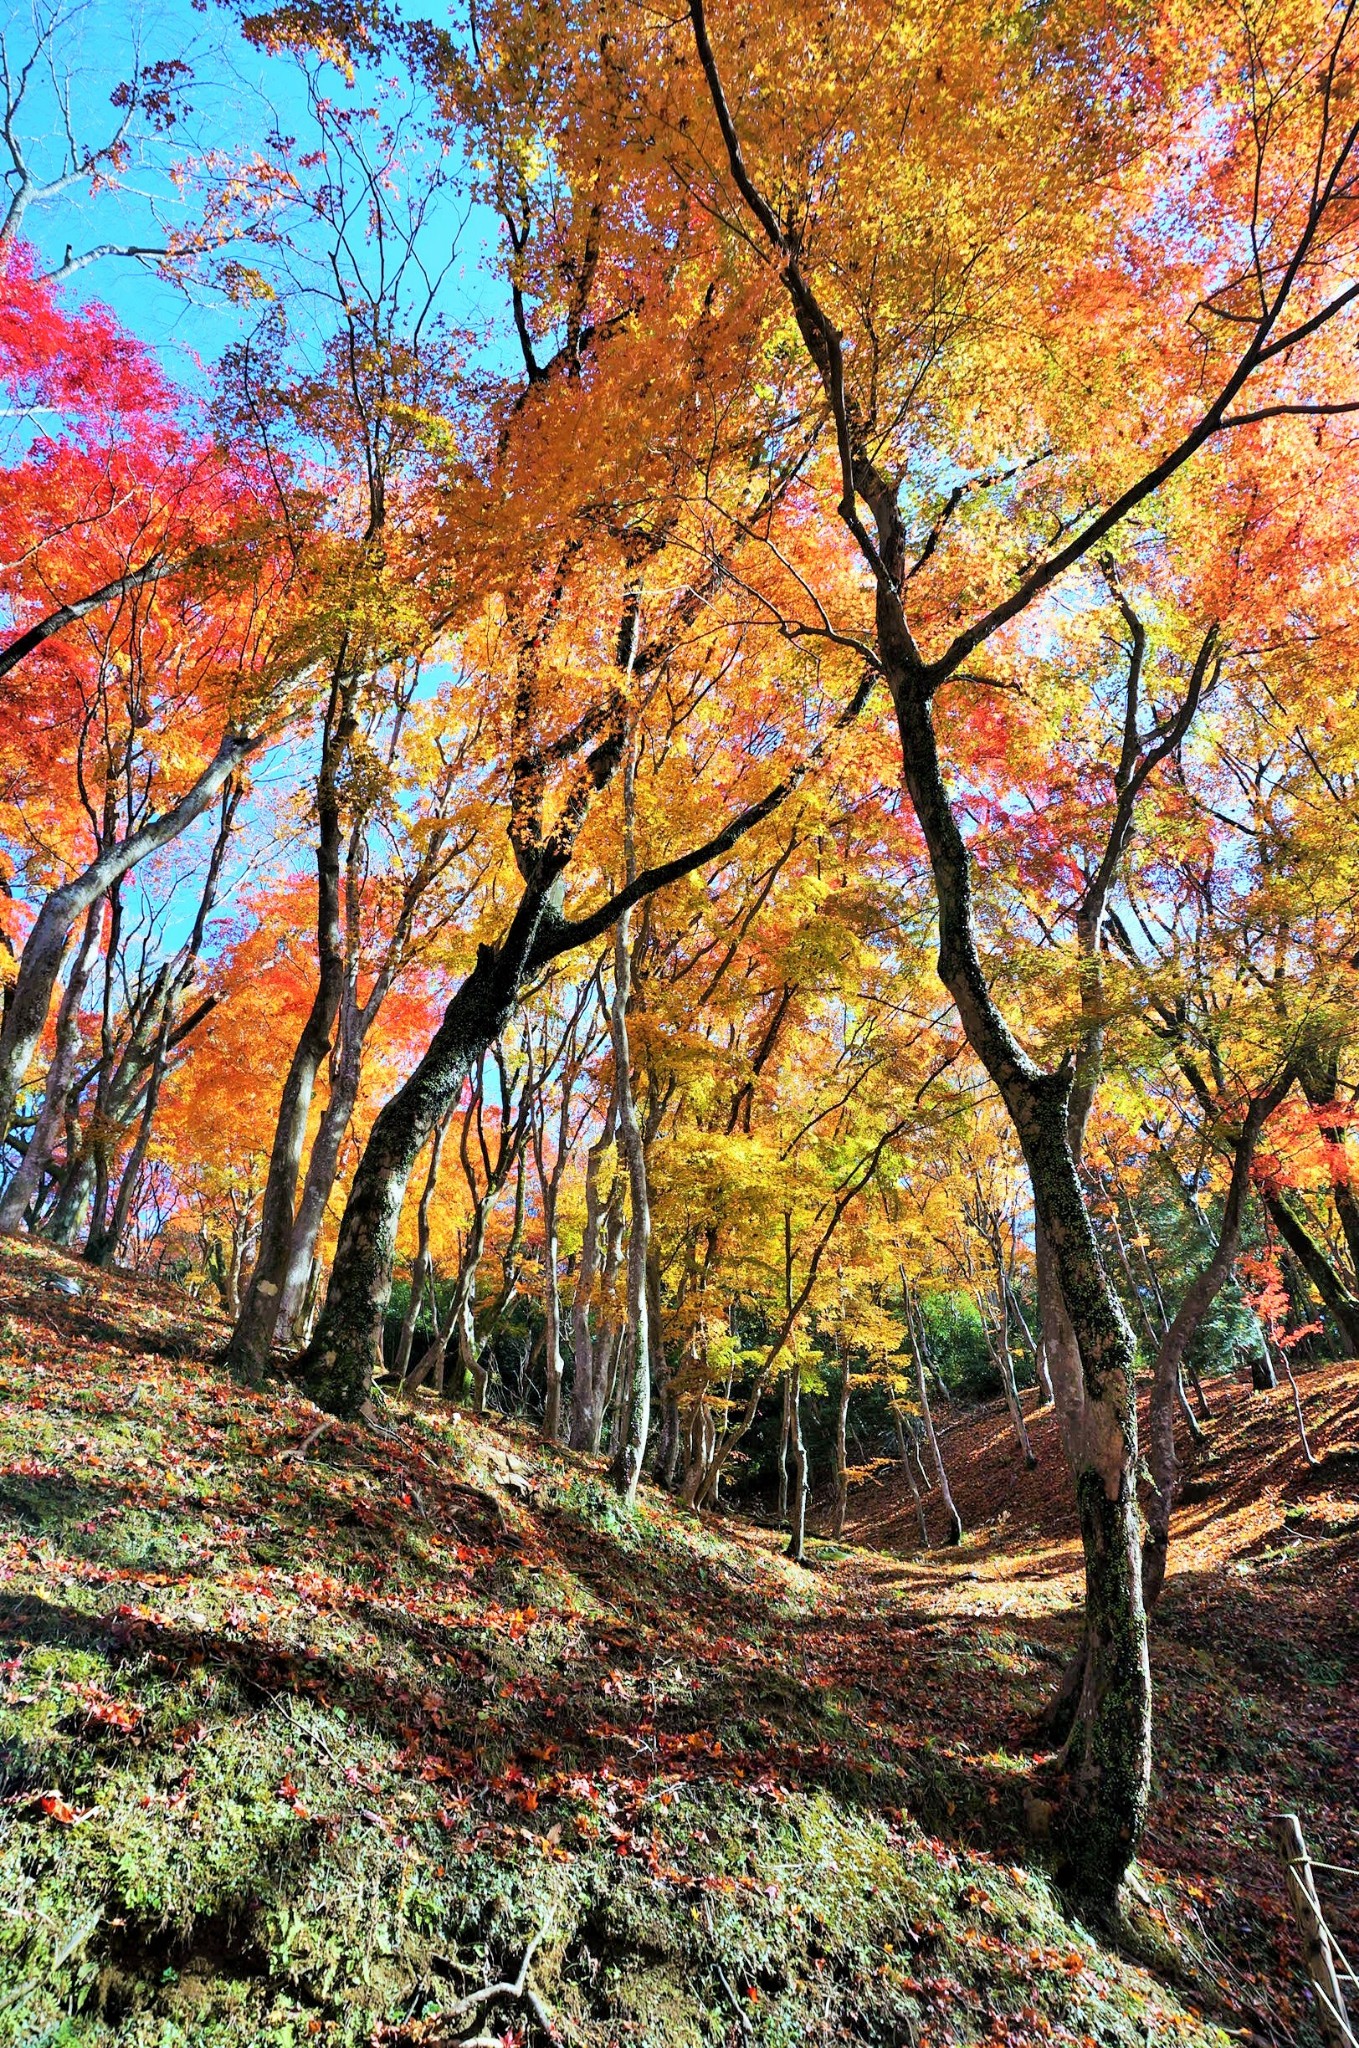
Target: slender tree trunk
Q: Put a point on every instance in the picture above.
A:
(798, 1504)
(102, 1249)
(323, 1167)
(253, 1336)
(636, 1422)
(549, 1189)
(483, 1348)
(1195, 1428)
(1035, 1344)
(785, 1436)
(612, 1320)
(60, 1075)
(430, 1364)
(916, 1328)
(723, 1444)
(413, 1376)
(420, 1267)
(1198, 1299)
(40, 963)
(841, 1448)
(472, 1371)
(908, 1468)
(1340, 1303)
(669, 1444)
(999, 1343)
(1297, 1408)
(298, 1288)
(552, 1328)
(240, 1238)
(586, 1396)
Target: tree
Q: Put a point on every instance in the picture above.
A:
(1267, 330)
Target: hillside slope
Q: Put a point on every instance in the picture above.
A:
(1255, 1645)
(314, 1733)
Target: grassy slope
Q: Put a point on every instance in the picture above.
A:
(312, 1748)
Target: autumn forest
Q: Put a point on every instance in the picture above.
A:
(679, 919)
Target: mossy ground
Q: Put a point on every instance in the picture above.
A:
(312, 1747)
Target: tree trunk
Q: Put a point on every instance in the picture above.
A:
(62, 1072)
(586, 1396)
(841, 1450)
(549, 1187)
(798, 1538)
(1109, 1749)
(420, 1266)
(1297, 1409)
(999, 1344)
(102, 1249)
(77, 1184)
(915, 1324)
(552, 1323)
(338, 1365)
(608, 1341)
(1263, 1378)
(252, 1339)
(1198, 1299)
(1035, 1344)
(1340, 1303)
(323, 1167)
(40, 962)
(471, 1371)
(1198, 1435)
(430, 1364)
(636, 1421)
(908, 1468)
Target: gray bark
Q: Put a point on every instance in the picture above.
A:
(60, 1075)
(915, 1325)
(40, 962)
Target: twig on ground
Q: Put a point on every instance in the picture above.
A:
(520, 1991)
(295, 1453)
(736, 2005)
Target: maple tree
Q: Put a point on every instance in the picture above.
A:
(769, 814)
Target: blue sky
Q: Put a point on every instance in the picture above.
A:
(237, 100)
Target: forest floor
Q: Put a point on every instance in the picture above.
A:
(323, 1733)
